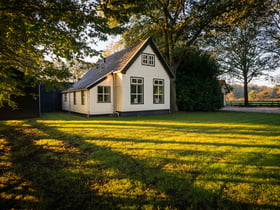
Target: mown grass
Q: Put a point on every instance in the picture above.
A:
(177, 161)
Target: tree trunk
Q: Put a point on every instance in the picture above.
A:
(173, 97)
(246, 101)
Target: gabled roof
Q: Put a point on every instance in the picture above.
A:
(117, 62)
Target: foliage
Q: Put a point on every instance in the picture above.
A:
(177, 161)
(197, 85)
(177, 23)
(255, 92)
(113, 47)
(34, 34)
(271, 21)
(243, 55)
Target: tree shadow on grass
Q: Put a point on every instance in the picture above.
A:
(59, 182)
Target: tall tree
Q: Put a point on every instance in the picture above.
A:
(243, 53)
(177, 22)
(34, 34)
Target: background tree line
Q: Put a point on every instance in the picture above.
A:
(256, 93)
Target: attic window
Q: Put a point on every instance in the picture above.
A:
(148, 59)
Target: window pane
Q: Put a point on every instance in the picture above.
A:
(100, 98)
(155, 89)
(140, 98)
(107, 89)
(100, 89)
(133, 99)
(140, 81)
(161, 99)
(140, 89)
(160, 90)
(106, 98)
(144, 59)
(133, 88)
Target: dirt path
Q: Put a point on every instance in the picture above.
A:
(252, 109)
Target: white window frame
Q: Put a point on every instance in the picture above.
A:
(138, 82)
(158, 84)
(103, 94)
(148, 59)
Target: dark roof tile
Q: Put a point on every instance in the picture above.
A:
(118, 61)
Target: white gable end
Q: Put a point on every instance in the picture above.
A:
(149, 74)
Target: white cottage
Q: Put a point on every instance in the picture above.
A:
(134, 81)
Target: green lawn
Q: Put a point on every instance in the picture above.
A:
(178, 161)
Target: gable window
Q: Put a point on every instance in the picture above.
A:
(83, 97)
(104, 94)
(158, 91)
(136, 90)
(65, 97)
(148, 59)
(74, 98)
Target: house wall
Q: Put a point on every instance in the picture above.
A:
(78, 107)
(224, 93)
(149, 73)
(97, 108)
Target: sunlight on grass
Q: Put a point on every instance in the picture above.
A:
(167, 161)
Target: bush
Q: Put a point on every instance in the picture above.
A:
(197, 85)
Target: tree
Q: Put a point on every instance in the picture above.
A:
(252, 95)
(177, 23)
(197, 85)
(242, 53)
(113, 47)
(271, 21)
(35, 34)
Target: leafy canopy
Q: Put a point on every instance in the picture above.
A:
(35, 34)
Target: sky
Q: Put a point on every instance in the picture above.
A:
(102, 45)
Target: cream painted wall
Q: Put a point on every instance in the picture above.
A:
(148, 73)
(101, 108)
(78, 107)
(122, 91)
(65, 104)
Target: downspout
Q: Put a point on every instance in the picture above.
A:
(115, 95)
(88, 102)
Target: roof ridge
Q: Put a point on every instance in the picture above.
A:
(141, 44)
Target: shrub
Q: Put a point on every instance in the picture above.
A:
(197, 85)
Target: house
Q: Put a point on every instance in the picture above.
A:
(134, 81)
(225, 90)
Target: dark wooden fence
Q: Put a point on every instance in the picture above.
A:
(30, 107)
(255, 103)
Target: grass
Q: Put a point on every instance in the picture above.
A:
(178, 161)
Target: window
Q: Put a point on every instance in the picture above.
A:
(74, 98)
(83, 97)
(65, 97)
(148, 59)
(137, 91)
(104, 94)
(158, 91)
